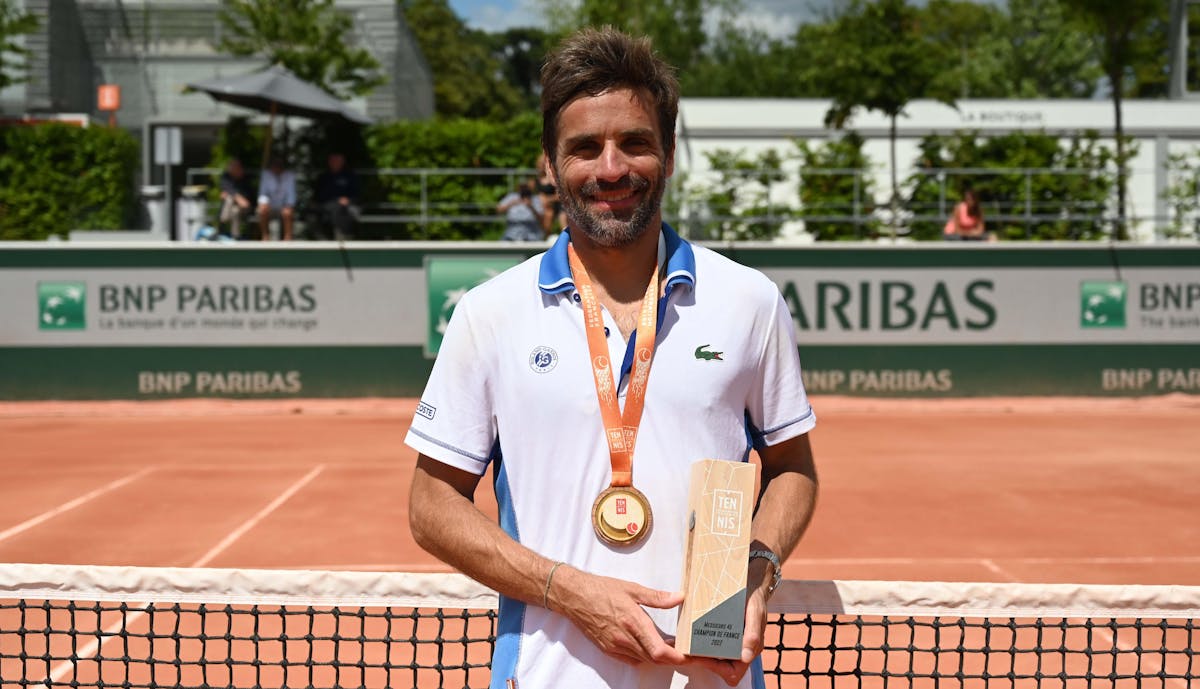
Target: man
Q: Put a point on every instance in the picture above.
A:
(337, 197)
(277, 198)
(522, 215)
(236, 193)
(523, 382)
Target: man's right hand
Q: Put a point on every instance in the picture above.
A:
(609, 612)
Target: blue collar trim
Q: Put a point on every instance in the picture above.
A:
(554, 275)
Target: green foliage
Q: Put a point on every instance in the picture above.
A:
(744, 63)
(883, 60)
(675, 26)
(309, 37)
(1049, 54)
(468, 81)
(738, 203)
(13, 23)
(520, 53)
(1183, 196)
(1118, 23)
(453, 144)
(57, 177)
(835, 181)
(969, 41)
(1065, 199)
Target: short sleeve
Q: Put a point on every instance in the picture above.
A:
(778, 405)
(454, 422)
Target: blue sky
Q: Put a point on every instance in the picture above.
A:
(778, 17)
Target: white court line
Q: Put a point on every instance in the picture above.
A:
(262, 514)
(109, 633)
(72, 504)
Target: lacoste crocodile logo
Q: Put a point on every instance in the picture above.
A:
(703, 353)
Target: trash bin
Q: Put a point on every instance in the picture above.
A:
(154, 207)
(191, 213)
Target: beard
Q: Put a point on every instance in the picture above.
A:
(607, 228)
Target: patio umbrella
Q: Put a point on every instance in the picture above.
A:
(277, 91)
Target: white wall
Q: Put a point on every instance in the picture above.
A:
(1159, 128)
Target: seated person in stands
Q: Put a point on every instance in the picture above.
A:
(236, 195)
(277, 198)
(336, 199)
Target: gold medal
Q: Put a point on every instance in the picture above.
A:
(621, 515)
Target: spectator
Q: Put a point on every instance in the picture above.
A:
(236, 192)
(966, 220)
(277, 198)
(523, 214)
(553, 218)
(336, 198)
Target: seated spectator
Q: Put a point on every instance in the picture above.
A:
(277, 198)
(966, 221)
(523, 214)
(336, 199)
(236, 192)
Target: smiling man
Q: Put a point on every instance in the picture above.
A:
(544, 375)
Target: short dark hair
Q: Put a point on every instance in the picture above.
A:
(593, 61)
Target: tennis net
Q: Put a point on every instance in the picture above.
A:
(87, 626)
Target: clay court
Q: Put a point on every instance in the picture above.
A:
(1031, 490)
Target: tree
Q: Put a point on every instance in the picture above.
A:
(520, 52)
(467, 80)
(1050, 54)
(676, 27)
(883, 61)
(1117, 24)
(746, 63)
(13, 23)
(970, 44)
(309, 37)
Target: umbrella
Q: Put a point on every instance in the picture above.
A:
(276, 90)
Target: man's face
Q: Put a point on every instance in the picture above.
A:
(610, 166)
(336, 162)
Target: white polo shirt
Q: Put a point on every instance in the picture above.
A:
(512, 387)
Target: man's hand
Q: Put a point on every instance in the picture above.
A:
(753, 633)
(732, 671)
(609, 612)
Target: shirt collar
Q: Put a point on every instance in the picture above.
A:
(554, 276)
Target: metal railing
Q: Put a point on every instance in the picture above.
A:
(1025, 203)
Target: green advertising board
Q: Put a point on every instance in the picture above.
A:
(447, 280)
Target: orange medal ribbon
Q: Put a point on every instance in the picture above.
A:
(621, 513)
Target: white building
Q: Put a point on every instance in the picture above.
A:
(1159, 128)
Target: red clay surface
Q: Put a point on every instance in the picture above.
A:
(1032, 490)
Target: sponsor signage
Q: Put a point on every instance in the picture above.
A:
(447, 280)
(139, 323)
(993, 306)
(210, 307)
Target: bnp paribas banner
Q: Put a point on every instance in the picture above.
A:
(210, 306)
(992, 305)
(92, 323)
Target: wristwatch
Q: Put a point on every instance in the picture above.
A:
(774, 560)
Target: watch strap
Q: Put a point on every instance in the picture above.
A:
(771, 557)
